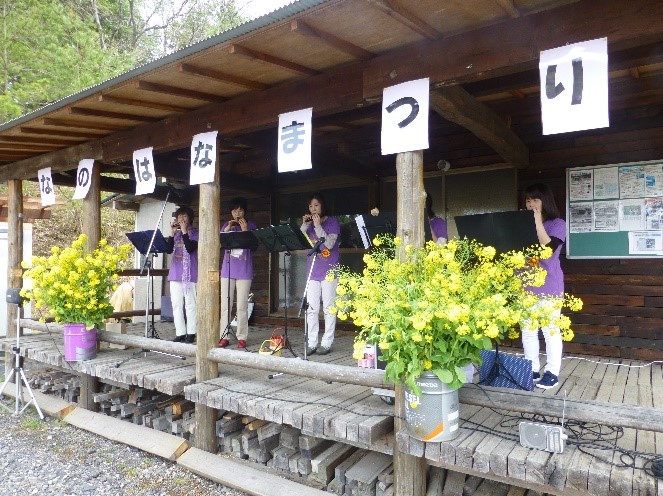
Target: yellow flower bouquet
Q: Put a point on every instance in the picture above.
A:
(436, 309)
(74, 286)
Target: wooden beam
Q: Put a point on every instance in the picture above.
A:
(458, 106)
(342, 164)
(111, 115)
(27, 148)
(183, 92)
(271, 59)
(35, 140)
(300, 27)
(58, 161)
(515, 44)
(406, 18)
(221, 76)
(245, 184)
(335, 91)
(509, 8)
(133, 102)
(58, 132)
(73, 123)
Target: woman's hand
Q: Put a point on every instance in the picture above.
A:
(317, 220)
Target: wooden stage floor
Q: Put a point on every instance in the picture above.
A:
(487, 445)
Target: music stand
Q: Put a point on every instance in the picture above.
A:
(370, 226)
(149, 244)
(505, 231)
(232, 240)
(283, 238)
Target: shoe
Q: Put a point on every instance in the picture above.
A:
(190, 338)
(223, 343)
(241, 343)
(180, 339)
(323, 350)
(548, 381)
(311, 350)
(536, 377)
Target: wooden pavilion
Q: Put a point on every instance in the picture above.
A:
(336, 56)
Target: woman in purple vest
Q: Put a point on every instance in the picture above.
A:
(551, 231)
(236, 274)
(438, 226)
(317, 225)
(183, 273)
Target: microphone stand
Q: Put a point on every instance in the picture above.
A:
(149, 259)
(228, 329)
(304, 305)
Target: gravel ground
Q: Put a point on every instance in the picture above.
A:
(51, 457)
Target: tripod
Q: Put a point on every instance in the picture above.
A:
(234, 240)
(17, 372)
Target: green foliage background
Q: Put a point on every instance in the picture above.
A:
(50, 49)
(53, 48)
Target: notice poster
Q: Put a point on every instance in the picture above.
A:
(632, 181)
(581, 185)
(654, 180)
(606, 183)
(581, 218)
(606, 216)
(631, 215)
(653, 214)
(645, 243)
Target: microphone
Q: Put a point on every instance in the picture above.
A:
(316, 246)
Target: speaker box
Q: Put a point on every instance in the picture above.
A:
(542, 436)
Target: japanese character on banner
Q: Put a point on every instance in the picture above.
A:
(146, 178)
(203, 158)
(46, 187)
(83, 178)
(294, 140)
(574, 87)
(405, 117)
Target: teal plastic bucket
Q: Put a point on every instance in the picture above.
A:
(433, 415)
(79, 344)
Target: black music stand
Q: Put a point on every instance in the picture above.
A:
(283, 238)
(505, 231)
(232, 240)
(149, 244)
(369, 226)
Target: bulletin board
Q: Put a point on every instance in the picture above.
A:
(615, 211)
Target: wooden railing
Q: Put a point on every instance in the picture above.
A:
(615, 414)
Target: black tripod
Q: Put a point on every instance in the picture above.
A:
(17, 372)
(279, 239)
(234, 240)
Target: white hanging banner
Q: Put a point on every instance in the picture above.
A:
(574, 87)
(203, 158)
(294, 141)
(146, 178)
(46, 187)
(405, 117)
(83, 178)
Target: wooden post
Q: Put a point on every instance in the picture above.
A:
(15, 255)
(409, 471)
(91, 222)
(208, 314)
